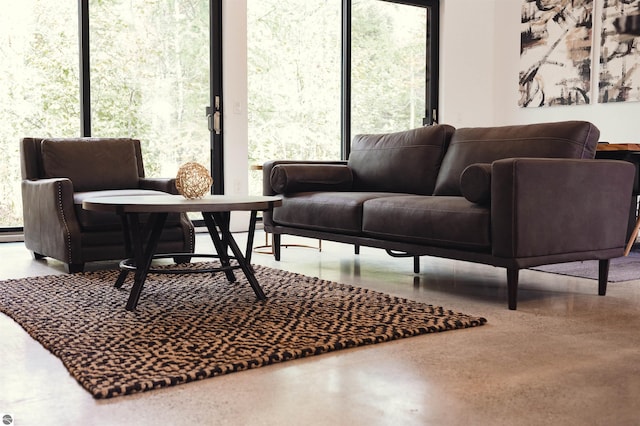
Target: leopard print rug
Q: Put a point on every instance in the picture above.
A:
(195, 326)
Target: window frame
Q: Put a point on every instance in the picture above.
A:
(432, 66)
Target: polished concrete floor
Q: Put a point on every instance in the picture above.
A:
(566, 357)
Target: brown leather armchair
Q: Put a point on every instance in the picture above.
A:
(58, 174)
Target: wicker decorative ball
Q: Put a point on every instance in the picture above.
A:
(193, 180)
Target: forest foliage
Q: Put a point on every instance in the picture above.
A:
(150, 78)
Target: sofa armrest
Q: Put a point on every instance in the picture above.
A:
(57, 234)
(546, 207)
(267, 168)
(167, 185)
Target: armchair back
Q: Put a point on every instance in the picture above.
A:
(92, 164)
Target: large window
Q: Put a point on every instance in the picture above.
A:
(39, 87)
(148, 79)
(388, 66)
(145, 69)
(293, 49)
(322, 71)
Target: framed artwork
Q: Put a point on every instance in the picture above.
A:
(619, 77)
(555, 52)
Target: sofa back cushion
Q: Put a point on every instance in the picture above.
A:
(91, 165)
(568, 139)
(406, 161)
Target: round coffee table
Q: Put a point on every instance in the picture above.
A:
(142, 245)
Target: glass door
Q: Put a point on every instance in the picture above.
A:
(149, 78)
(388, 66)
(322, 71)
(293, 61)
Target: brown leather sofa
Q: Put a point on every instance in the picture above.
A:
(512, 197)
(58, 174)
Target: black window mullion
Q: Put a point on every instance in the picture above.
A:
(85, 92)
(346, 81)
(433, 62)
(215, 72)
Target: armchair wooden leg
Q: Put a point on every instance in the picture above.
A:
(38, 256)
(182, 259)
(416, 264)
(73, 268)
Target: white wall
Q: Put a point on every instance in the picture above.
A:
(480, 50)
(467, 34)
(234, 74)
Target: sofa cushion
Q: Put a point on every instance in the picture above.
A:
(475, 183)
(569, 139)
(406, 161)
(290, 178)
(325, 211)
(91, 165)
(439, 221)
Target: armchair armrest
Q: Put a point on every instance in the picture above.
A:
(167, 185)
(45, 232)
(545, 207)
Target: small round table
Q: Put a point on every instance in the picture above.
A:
(215, 209)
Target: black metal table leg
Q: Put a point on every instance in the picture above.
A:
(128, 249)
(252, 230)
(143, 252)
(219, 245)
(240, 258)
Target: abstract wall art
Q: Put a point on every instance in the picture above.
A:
(619, 77)
(555, 52)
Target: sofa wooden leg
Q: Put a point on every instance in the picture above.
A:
(603, 276)
(416, 264)
(276, 243)
(512, 287)
(356, 248)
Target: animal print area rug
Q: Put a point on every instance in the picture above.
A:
(191, 327)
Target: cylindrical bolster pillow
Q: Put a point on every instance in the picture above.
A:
(290, 178)
(475, 183)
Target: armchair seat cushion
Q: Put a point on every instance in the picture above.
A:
(93, 220)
